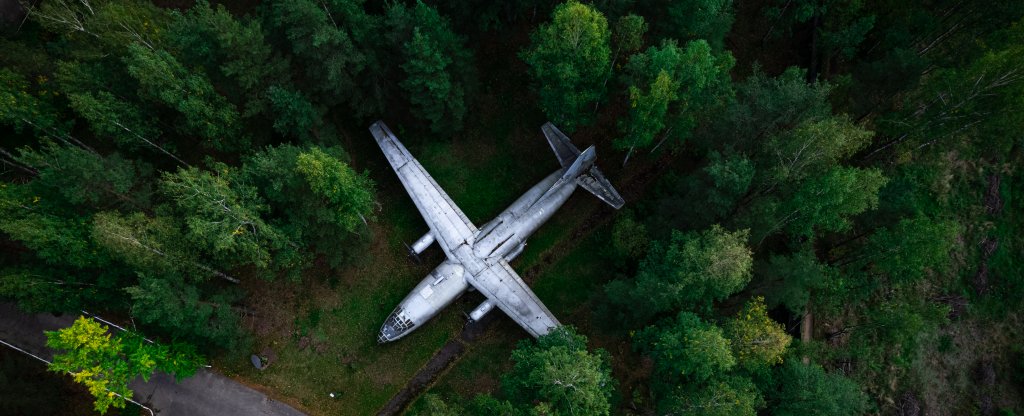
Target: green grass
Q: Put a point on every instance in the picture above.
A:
(345, 322)
(568, 284)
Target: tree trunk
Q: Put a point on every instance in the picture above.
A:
(806, 328)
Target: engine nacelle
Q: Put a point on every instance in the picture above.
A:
(481, 310)
(422, 244)
(515, 253)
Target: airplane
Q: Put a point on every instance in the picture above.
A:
(479, 258)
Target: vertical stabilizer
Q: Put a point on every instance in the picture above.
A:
(560, 144)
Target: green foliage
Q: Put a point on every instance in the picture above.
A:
(25, 107)
(720, 186)
(436, 64)
(335, 199)
(484, 404)
(224, 219)
(793, 279)
(807, 389)
(229, 49)
(693, 77)
(335, 43)
(629, 237)
(710, 20)
(730, 177)
(766, 106)
(183, 311)
(727, 396)
(294, 115)
(841, 25)
(812, 147)
(43, 289)
(105, 364)
(144, 243)
(911, 248)
(826, 203)
(569, 61)
(85, 178)
(628, 34)
(757, 341)
(349, 193)
(980, 98)
(558, 372)
(109, 116)
(205, 113)
(433, 405)
(57, 236)
(686, 349)
(691, 271)
(647, 111)
(96, 28)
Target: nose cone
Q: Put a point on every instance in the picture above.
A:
(394, 327)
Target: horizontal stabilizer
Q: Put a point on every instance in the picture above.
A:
(595, 182)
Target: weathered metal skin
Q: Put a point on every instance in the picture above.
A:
(479, 258)
(504, 236)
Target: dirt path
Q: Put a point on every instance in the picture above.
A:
(451, 352)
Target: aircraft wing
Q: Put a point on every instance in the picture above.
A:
(509, 292)
(447, 223)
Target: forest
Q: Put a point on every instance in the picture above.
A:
(821, 209)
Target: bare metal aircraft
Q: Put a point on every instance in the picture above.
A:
(478, 258)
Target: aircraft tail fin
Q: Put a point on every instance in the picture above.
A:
(569, 157)
(564, 150)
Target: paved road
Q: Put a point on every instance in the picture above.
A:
(206, 393)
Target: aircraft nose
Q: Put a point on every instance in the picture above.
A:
(395, 326)
(387, 333)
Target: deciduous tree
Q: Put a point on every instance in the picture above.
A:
(561, 374)
(757, 341)
(106, 363)
(336, 199)
(686, 349)
(696, 81)
(690, 271)
(725, 396)
(222, 218)
(569, 61)
(804, 389)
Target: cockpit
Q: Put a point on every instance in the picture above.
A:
(395, 326)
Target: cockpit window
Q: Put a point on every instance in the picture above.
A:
(398, 321)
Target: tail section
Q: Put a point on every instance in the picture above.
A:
(580, 166)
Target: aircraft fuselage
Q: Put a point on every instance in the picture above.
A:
(504, 237)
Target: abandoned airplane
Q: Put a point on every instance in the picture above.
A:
(478, 258)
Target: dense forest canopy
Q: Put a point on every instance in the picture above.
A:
(826, 217)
